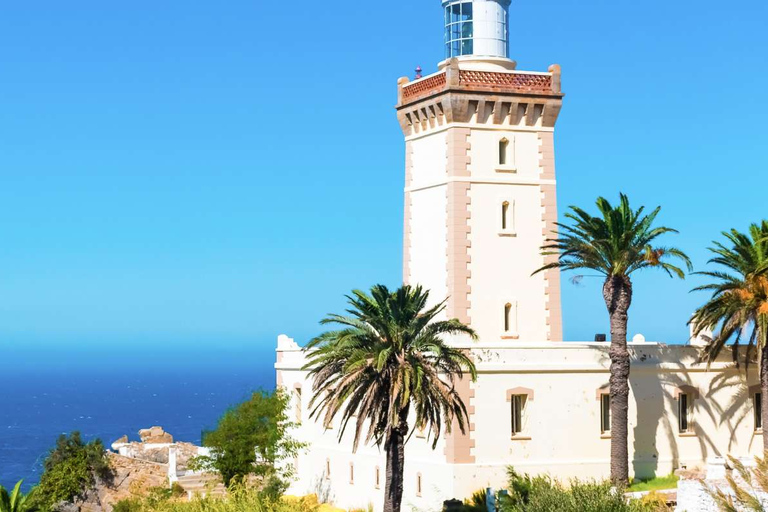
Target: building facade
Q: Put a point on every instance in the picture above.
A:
(480, 199)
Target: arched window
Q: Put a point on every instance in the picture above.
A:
(503, 151)
(507, 218)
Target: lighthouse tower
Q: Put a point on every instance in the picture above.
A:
(480, 179)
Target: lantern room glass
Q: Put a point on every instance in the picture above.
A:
(458, 29)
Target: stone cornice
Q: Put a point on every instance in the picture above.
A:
(501, 98)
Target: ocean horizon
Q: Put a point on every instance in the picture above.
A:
(185, 392)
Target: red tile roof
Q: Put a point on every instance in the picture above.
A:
(505, 81)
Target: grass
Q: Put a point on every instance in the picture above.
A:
(654, 484)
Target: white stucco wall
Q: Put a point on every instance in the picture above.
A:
(502, 261)
(562, 434)
(428, 229)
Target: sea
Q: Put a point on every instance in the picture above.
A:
(107, 398)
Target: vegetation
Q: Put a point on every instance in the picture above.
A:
(71, 468)
(739, 301)
(252, 439)
(16, 501)
(542, 494)
(389, 358)
(654, 484)
(743, 494)
(615, 244)
(239, 499)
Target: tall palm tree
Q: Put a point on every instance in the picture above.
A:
(739, 301)
(387, 358)
(616, 244)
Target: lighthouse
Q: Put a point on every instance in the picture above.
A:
(480, 200)
(480, 188)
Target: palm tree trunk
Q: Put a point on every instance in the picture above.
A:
(764, 393)
(617, 292)
(395, 447)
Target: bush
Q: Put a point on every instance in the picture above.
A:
(70, 469)
(239, 499)
(543, 494)
(251, 439)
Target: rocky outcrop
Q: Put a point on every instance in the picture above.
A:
(155, 435)
(132, 478)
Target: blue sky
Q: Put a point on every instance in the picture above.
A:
(210, 174)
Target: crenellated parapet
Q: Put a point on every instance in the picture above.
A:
(499, 97)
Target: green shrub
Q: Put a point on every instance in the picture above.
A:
(239, 499)
(543, 494)
(70, 469)
(251, 439)
(129, 505)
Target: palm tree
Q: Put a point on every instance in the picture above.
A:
(739, 301)
(389, 357)
(16, 501)
(615, 244)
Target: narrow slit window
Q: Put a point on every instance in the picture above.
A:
(507, 317)
(505, 215)
(518, 406)
(683, 401)
(351, 473)
(297, 396)
(377, 477)
(758, 407)
(605, 412)
(503, 151)
(327, 469)
(418, 484)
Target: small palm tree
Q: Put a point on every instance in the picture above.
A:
(739, 301)
(16, 501)
(389, 358)
(616, 244)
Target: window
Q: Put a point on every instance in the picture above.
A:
(377, 478)
(507, 218)
(327, 469)
(683, 412)
(506, 155)
(352, 473)
(686, 396)
(605, 413)
(509, 321)
(518, 407)
(503, 150)
(757, 404)
(458, 29)
(297, 404)
(418, 484)
(421, 431)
